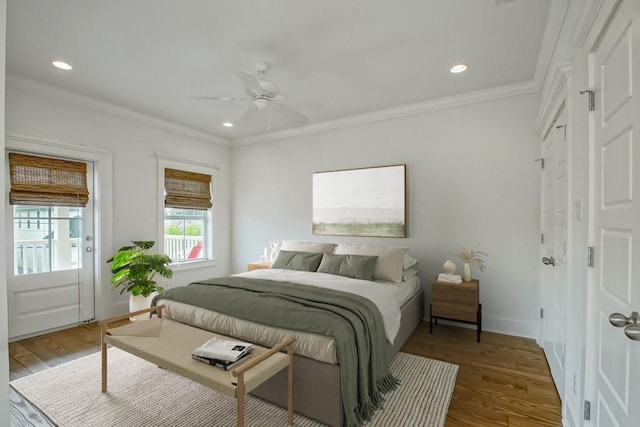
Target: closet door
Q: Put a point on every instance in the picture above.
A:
(554, 247)
(615, 233)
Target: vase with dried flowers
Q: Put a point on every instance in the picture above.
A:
(471, 257)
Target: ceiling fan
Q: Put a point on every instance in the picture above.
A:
(267, 110)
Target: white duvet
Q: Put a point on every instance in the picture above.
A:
(388, 297)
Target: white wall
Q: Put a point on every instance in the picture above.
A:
(471, 179)
(135, 189)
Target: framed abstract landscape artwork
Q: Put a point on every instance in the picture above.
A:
(360, 202)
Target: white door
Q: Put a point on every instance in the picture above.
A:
(50, 274)
(615, 279)
(554, 247)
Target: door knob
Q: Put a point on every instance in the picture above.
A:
(632, 332)
(630, 324)
(549, 261)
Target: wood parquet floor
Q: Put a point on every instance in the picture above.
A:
(502, 381)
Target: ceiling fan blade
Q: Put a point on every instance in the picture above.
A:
(274, 117)
(250, 83)
(220, 98)
(250, 115)
(287, 116)
(253, 118)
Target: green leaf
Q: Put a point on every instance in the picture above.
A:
(144, 244)
(133, 269)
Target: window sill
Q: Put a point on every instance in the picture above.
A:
(190, 265)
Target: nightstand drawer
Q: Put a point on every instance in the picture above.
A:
(460, 302)
(465, 312)
(465, 295)
(441, 292)
(442, 308)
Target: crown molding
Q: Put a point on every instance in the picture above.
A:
(50, 91)
(403, 111)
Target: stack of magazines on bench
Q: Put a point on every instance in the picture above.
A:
(224, 354)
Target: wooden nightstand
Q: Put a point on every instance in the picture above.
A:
(459, 302)
(258, 265)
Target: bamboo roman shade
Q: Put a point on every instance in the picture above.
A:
(47, 182)
(187, 190)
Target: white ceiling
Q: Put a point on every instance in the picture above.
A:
(331, 59)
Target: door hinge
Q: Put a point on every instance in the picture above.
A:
(564, 131)
(587, 410)
(542, 313)
(590, 256)
(592, 98)
(541, 160)
(541, 238)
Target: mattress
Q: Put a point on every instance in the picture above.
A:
(388, 297)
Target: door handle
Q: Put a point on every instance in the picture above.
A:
(549, 261)
(630, 324)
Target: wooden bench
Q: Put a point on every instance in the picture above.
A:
(169, 345)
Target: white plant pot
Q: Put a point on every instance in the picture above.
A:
(140, 303)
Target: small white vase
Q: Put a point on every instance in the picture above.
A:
(140, 303)
(449, 267)
(466, 274)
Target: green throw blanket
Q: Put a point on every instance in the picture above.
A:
(353, 321)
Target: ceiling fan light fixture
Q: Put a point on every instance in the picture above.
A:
(227, 124)
(61, 65)
(458, 68)
(261, 103)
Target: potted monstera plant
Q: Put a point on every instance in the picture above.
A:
(134, 271)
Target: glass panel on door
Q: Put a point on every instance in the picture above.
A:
(46, 239)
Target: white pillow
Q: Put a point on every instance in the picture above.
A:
(314, 247)
(390, 259)
(409, 261)
(408, 273)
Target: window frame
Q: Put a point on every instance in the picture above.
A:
(180, 163)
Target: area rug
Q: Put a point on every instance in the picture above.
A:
(141, 394)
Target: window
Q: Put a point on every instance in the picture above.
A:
(48, 197)
(188, 213)
(184, 234)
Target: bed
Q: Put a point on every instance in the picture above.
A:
(390, 309)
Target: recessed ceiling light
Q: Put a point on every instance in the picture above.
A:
(459, 68)
(62, 65)
(227, 124)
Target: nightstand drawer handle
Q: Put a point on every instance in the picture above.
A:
(549, 261)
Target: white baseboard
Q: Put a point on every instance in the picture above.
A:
(517, 328)
(568, 421)
(118, 308)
